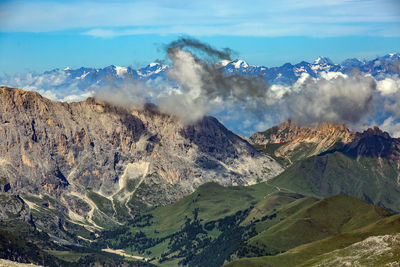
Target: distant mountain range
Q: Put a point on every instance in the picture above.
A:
(379, 68)
(74, 82)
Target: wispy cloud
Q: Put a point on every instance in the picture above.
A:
(258, 18)
(246, 29)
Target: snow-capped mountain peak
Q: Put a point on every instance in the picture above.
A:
(238, 63)
(224, 62)
(323, 61)
(154, 64)
(120, 71)
(154, 68)
(60, 83)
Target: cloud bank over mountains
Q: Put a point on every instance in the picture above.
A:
(337, 99)
(201, 80)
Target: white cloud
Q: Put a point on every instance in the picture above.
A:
(332, 75)
(53, 85)
(339, 99)
(264, 125)
(76, 98)
(103, 33)
(391, 126)
(389, 85)
(46, 93)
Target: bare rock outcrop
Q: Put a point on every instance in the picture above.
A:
(298, 142)
(65, 150)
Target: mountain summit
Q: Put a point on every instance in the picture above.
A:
(293, 142)
(127, 158)
(323, 61)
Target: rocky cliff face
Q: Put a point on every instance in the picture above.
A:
(374, 143)
(65, 150)
(295, 142)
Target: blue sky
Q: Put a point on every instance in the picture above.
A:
(41, 35)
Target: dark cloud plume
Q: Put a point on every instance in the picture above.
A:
(204, 87)
(186, 42)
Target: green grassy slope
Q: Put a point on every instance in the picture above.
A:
(321, 219)
(272, 203)
(367, 178)
(214, 220)
(213, 202)
(312, 253)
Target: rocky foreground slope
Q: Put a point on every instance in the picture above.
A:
(70, 152)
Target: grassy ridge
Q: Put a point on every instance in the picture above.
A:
(308, 254)
(213, 202)
(336, 173)
(319, 220)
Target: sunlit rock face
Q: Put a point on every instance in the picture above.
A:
(64, 150)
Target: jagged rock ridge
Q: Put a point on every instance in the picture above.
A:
(374, 143)
(295, 142)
